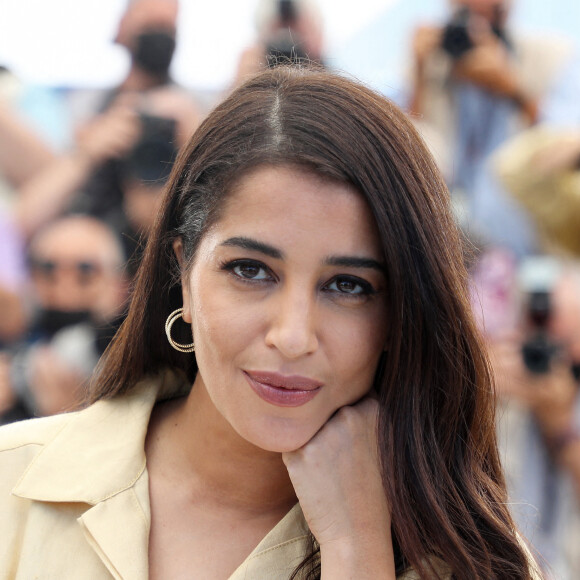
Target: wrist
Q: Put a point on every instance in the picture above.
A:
(361, 558)
(86, 156)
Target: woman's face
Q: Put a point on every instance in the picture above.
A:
(286, 298)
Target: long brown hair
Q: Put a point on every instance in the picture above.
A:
(442, 474)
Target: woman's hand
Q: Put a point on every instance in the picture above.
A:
(337, 479)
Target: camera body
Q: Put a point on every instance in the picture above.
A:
(287, 13)
(538, 276)
(285, 45)
(152, 157)
(456, 40)
(538, 349)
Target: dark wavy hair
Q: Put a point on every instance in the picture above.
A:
(442, 475)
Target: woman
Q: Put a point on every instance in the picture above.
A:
(306, 241)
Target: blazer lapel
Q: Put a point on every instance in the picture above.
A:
(286, 544)
(118, 531)
(98, 459)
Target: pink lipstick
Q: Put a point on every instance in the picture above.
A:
(284, 391)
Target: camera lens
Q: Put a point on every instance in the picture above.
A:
(537, 353)
(456, 39)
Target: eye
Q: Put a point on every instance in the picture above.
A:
(249, 270)
(349, 285)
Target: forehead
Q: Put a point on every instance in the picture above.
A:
(294, 206)
(75, 240)
(143, 13)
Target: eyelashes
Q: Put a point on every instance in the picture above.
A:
(350, 285)
(254, 272)
(249, 270)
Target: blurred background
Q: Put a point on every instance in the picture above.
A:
(41, 40)
(97, 97)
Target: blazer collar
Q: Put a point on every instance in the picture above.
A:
(98, 458)
(100, 451)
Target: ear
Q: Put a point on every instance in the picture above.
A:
(178, 249)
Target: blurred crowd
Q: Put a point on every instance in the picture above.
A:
(499, 109)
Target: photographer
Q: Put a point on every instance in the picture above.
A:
(477, 46)
(77, 291)
(92, 178)
(95, 177)
(537, 378)
(475, 83)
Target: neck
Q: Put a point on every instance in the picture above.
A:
(200, 450)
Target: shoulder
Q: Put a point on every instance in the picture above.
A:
(21, 442)
(551, 46)
(33, 432)
(540, 59)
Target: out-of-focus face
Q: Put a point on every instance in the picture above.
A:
(143, 15)
(287, 302)
(76, 265)
(487, 9)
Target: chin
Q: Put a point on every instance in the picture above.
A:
(281, 438)
(283, 446)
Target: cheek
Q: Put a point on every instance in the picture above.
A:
(356, 351)
(220, 324)
(363, 365)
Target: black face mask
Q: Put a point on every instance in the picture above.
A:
(153, 52)
(49, 321)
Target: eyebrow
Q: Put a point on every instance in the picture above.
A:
(255, 245)
(272, 252)
(354, 262)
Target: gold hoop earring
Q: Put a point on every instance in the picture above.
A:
(168, 324)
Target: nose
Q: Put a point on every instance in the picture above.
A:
(293, 326)
(67, 293)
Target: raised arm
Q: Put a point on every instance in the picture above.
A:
(49, 191)
(337, 479)
(22, 151)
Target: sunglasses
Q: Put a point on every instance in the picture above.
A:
(49, 268)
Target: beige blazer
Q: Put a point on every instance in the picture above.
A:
(74, 497)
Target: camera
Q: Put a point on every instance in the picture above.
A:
(538, 276)
(538, 349)
(152, 157)
(456, 38)
(287, 12)
(285, 45)
(284, 48)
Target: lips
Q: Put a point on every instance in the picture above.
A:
(281, 390)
